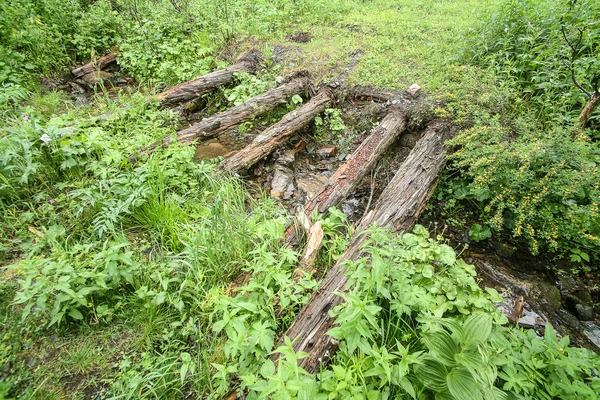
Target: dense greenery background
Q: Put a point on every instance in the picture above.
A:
(116, 278)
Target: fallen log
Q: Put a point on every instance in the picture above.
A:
(92, 66)
(277, 134)
(364, 158)
(298, 84)
(190, 90)
(398, 206)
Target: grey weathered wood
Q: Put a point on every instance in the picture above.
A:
(190, 90)
(99, 64)
(212, 126)
(362, 160)
(277, 134)
(398, 206)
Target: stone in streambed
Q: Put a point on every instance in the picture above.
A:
(282, 179)
(310, 184)
(327, 151)
(585, 313)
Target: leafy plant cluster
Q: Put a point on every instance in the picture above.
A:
(415, 324)
(522, 163)
(542, 48)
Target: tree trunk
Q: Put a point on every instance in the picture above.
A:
(92, 66)
(277, 134)
(190, 90)
(589, 108)
(399, 206)
(364, 158)
(215, 125)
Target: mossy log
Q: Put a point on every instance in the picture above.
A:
(190, 90)
(277, 134)
(398, 207)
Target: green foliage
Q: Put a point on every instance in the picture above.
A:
(479, 233)
(75, 283)
(247, 86)
(541, 186)
(330, 128)
(414, 323)
(523, 43)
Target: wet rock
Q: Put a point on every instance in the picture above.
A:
(503, 250)
(282, 179)
(76, 88)
(310, 184)
(585, 313)
(52, 83)
(327, 151)
(585, 297)
(591, 331)
(211, 150)
(350, 206)
(531, 319)
(546, 295)
(566, 284)
(286, 158)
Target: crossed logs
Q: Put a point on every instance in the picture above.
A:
(398, 206)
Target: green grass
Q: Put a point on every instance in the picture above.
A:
(166, 279)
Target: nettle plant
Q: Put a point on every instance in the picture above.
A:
(415, 324)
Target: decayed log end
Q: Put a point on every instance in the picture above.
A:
(399, 207)
(186, 91)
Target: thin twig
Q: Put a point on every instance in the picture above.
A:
(574, 51)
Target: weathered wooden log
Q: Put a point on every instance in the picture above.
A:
(398, 206)
(364, 158)
(190, 90)
(373, 93)
(277, 134)
(298, 84)
(92, 66)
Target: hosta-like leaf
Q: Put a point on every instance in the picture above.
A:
(477, 329)
(462, 386)
(432, 374)
(443, 347)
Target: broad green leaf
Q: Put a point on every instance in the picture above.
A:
(432, 374)
(443, 347)
(75, 314)
(477, 329)
(462, 386)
